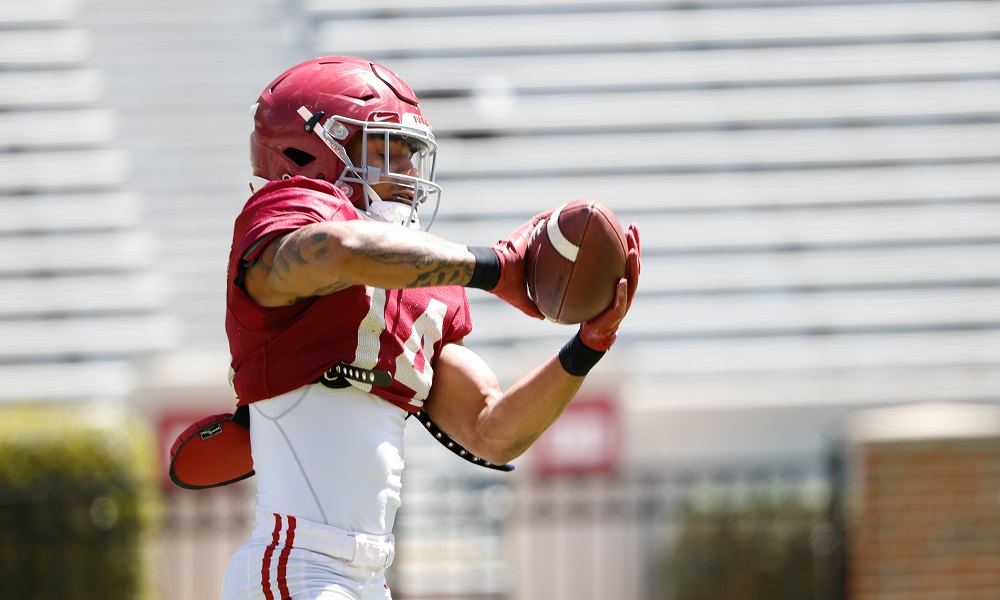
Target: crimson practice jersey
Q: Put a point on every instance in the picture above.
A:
(277, 350)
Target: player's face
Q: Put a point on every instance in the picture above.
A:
(397, 156)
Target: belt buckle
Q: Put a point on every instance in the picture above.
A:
(370, 553)
(360, 545)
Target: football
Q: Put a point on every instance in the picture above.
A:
(574, 261)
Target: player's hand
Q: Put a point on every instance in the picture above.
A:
(511, 287)
(601, 332)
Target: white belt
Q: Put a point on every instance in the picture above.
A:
(361, 550)
(357, 549)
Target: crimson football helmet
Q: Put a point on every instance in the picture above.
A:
(307, 118)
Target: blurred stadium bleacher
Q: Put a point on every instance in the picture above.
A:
(817, 186)
(82, 301)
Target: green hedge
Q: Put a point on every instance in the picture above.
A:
(78, 502)
(767, 547)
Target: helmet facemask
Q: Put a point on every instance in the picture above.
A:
(396, 159)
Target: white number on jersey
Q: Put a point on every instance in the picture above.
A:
(413, 364)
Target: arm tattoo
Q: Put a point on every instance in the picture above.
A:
(308, 245)
(431, 271)
(443, 274)
(296, 250)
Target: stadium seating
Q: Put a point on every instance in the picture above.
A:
(832, 162)
(50, 48)
(55, 129)
(642, 69)
(46, 381)
(803, 172)
(622, 30)
(21, 13)
(67, 212)
(49, 88)
(817, 186)
(82, 302)
(494, 113)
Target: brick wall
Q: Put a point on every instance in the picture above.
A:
(924, 520)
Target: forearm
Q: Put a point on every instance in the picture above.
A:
(403, 258)
(326, 257)
(511, 422)
(467, 402)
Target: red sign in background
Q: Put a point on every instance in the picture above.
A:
(585, 440)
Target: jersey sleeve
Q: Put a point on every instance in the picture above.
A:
(460, 323)
(282, 207)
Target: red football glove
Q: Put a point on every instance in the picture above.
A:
(600, 332)
(512, 288)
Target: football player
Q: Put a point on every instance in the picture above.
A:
(344, 317)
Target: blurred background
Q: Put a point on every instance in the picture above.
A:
(803, 403)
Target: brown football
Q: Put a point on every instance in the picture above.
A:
(574, 261)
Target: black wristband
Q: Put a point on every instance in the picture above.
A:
(486, 273)
(577, 358)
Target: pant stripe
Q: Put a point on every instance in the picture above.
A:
(283, 560)
(265, 572)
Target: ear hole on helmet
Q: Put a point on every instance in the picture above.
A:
(299, 157)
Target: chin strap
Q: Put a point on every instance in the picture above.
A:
(397, 213)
